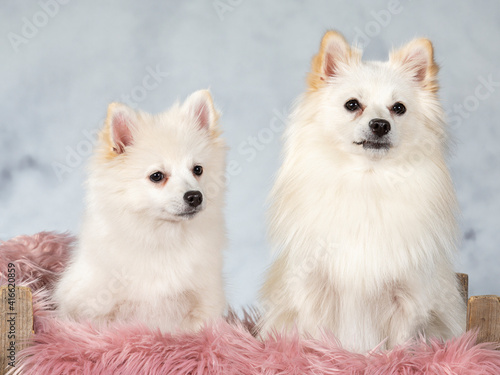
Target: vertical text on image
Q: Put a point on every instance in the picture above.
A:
(11, 315)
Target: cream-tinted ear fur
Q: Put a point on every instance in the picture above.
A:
(333, 52)
(118, 131)
(417, 58)
(201, 107)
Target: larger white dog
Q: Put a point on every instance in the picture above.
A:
(363, 210)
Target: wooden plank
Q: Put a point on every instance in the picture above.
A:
(463, 278)
(483, 313)
(16, 324)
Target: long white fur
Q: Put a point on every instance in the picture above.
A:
(135, 259)
(365, 239)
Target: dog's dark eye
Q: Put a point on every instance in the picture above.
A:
(352, 105)
(157, 177)
(398, 108)
(198, 170)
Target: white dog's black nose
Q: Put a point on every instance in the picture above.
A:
(380, 127)
(193, 198)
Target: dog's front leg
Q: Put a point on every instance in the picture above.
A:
(407, 316)
(202, 306)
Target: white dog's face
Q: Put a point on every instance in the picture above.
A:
(368, 112)
(169, 186)
(168, 166)
(375, 108)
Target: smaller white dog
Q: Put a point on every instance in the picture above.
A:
(150, 249)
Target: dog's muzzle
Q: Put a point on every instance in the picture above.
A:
(379, 127)
(377, 140)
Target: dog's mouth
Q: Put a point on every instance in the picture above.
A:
(371, 145)
(187, 214)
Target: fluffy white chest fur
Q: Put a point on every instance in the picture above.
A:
(363, 220)
(150, 249)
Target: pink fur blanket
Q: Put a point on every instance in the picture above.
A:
(223, 347)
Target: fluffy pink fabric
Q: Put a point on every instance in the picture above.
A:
(38, 259)
(223, 347)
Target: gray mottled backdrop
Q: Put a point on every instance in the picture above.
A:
(62, 62)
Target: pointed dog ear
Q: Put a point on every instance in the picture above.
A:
(333, 52)
(200, 107)
(121, 121)
(417, 59)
